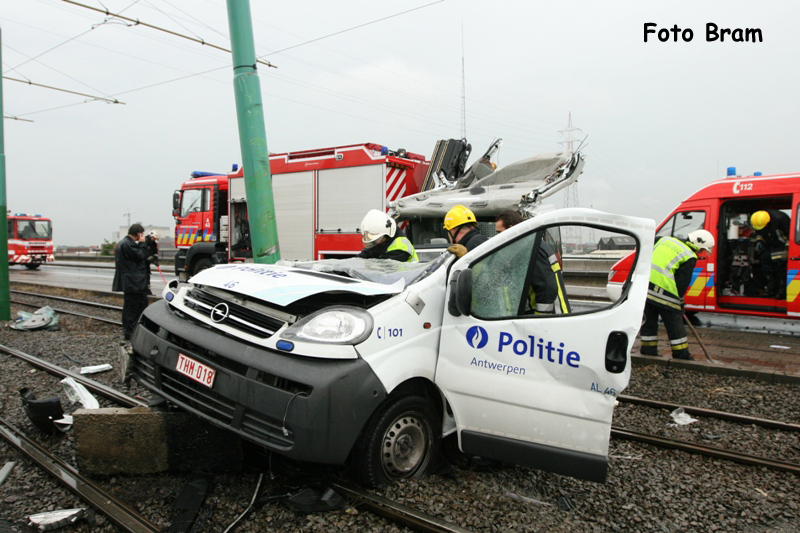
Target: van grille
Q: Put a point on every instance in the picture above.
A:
(239, 317)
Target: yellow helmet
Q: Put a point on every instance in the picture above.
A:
(458, 215)
(759, 220)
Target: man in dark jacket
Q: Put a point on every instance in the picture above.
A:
(462, 229)
(131, 277)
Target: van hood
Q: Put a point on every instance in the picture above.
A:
(283, 285)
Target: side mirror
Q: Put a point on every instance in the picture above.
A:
(176, 202)
(460, 301)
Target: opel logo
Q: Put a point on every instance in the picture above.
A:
(219, 312)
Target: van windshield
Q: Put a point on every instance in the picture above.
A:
(383, 271)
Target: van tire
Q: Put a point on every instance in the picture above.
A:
(202, 264)
(402, 429)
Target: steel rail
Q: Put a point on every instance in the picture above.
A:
(99, 388)
(396, 512)
(74, 313)
(711, 413)
(702, 449)
(116, 511)
(65, 299)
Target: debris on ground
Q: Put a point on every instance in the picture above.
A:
(44, 318)
(56, 519)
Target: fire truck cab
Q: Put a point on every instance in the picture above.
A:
(320, 198)
(30, 240)
(732, 279)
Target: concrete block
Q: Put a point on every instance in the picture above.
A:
(145, 441)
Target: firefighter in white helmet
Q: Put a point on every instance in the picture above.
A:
(383, 240)
(670, 275)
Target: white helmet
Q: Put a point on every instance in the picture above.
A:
(375, 225)
(702, 239)
(154, 235)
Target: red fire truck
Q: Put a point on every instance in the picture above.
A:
(30, 240)
(731, 279)
(320, 198)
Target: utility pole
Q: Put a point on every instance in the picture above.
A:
(252, 135)
(573, 234)
(5, 299)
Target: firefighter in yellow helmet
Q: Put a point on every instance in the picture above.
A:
(383, 240)
(772, 249)
(462, 230)
(670, 276)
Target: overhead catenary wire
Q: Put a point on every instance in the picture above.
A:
(137, 22)
(28, 82)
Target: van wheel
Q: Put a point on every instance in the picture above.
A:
(201, 265)
(31, 266)
(399, 442)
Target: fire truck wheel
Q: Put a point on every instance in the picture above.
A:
(398, 443)
(31, 266)
(201, 265)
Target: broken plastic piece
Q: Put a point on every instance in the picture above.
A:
(6, 470)
(63, 424)
(41, 318)
(41, 412)
(564, 503)
(314, 500)
(95, 369)
(77, 392)
(56, 519)
(188, 502)
(681, 418)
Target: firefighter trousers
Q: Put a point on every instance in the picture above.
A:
(676, 331)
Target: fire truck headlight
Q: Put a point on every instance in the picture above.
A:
(334, 325)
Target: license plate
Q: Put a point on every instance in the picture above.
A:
(196, 370)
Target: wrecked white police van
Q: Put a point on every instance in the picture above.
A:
(373, 362)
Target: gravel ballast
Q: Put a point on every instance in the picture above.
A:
(648, 488)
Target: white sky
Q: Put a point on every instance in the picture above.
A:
(661, 118)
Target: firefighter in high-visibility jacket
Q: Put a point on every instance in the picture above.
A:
(383, 240)
(670, 276)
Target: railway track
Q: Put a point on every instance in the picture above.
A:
(127, 518)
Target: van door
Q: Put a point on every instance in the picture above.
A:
(793, 267)
(539, 389)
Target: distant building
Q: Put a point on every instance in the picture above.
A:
(617, 242)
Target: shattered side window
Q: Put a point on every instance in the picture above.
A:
(498, 280)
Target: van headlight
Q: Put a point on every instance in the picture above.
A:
(334, 325)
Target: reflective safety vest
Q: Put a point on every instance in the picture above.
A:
(404, 245)
(668, 255)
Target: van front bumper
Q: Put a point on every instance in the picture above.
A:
(304, 408)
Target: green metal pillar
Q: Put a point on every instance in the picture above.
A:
(252, 135)
(5, 304)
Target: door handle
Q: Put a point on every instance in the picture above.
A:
(616, 352)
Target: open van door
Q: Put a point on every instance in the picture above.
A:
(539, 389)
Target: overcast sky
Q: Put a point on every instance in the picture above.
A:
(660, 118)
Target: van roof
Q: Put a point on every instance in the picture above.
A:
(733, 186)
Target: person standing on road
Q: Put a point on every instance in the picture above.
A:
(151, 250)
(670, 276)
(462, 230)
(131, 277)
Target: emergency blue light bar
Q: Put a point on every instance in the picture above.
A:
(756, 173)
(199, 174)
(731, 171)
